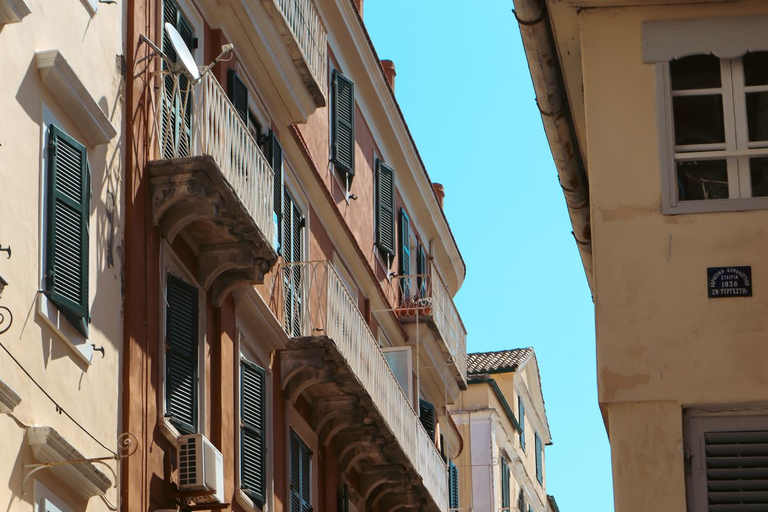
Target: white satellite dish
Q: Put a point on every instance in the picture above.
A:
(185, 58)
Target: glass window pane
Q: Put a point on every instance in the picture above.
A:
(758, 168)
(706, 179)
(698, 119)
(756, 68)
(757, 115)
(695, 72)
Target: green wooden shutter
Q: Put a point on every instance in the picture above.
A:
(252, 432)
(301, 488)
(385, 208)
(276, 161)
(521, 414)
(69, 192)
(181, 339)
(238, 95)
(293, 223)
(343, 123)
(427, 417)
(505, 497)
(453, 486)
(421, 270)
(539, 468)
(405, 253)
(173, 119)
(521, 501)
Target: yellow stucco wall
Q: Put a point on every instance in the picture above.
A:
(92, 45)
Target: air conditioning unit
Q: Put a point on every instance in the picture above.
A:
(201, 468)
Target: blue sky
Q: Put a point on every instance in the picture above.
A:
(463, 85)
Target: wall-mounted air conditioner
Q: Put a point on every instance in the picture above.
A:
(201, 468)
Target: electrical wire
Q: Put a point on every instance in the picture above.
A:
(59, 408)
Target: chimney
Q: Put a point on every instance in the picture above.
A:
(389, 71)
(359, 5)
(440, 193)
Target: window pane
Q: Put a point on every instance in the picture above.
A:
(698, 119)
(757, 115)
(695, 72)
(698, 180)
(756, 68)
(759, 173)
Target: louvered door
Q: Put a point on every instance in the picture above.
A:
(405, 256)
(301, 469)
(177, 107)
(293, 223)
(181, 341)
(252, 431)
(67, 230)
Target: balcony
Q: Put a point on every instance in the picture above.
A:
(303, 32)
(335, 362)
(212, 184)
(424, 298)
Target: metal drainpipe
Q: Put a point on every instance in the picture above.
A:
(551, 98)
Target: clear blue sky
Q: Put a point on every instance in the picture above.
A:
(464, 87)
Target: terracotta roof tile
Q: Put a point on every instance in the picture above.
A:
(504, 360)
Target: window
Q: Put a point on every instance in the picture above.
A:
(453, 486)
(427, 417)
(405, 255)
(421, 270)
(68, 210)
(713, 116)
(275, 155)
(505, 493)
(292, 247)
(176, 129)
(252, 431)
(521, 415)
(400, 362)
(301, 474)
(385, 209)
(181, 354)
(343, 125)
(727, 464)
(539, 459)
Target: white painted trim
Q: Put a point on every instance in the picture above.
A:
(70, 92)
(12, 11)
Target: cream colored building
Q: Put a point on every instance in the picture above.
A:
(504, 427)
(656, 119)
(61, 269)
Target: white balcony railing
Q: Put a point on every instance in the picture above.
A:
(426, 295)
(303, 19)
(203, 121)
(312, 300)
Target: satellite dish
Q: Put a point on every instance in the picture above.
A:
(185, 58)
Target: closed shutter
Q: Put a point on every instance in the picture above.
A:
(427, 417)
(343, 122)
(521, 414)
(405, 254)
(385, 208)
(238, 95)
(421, 270)
(301, 485)
(176, 143)
(539, 468)
(521, 501)
(276, 162)
(293, 223)
(505, 497)
(181, 339)
(252, 432)
(453, 486)
(67, 265)
(344, 499)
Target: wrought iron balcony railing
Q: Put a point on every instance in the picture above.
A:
(312, 300)
(201, 120)
(426, 296)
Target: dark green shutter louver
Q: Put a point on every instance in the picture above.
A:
(405, 253)
(385, 208)
(301, 461)
(343, 122)
(427, 417)
(181, 354)
(505, 497)
(178, 141)
(521, 414)
(539, 461)
(293, 223)
(68, 231)
(276, 161)
(252, 433)
(453, 486)
(238, 94)
(421, 270)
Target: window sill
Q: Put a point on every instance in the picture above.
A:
(717, 205)
(167, 429)
(65, 330)
(12, 11)
(248, 504)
